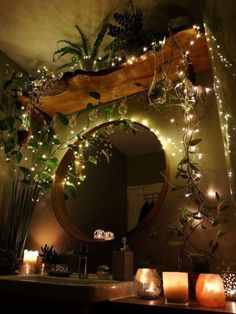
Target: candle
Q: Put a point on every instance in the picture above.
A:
(210, 290)
(175, 286)
(29, 262)
(30, 257)
(147, 283)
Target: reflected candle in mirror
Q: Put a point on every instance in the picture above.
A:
(109, 236)
(175, 286)
(29, 262)
(99, 235)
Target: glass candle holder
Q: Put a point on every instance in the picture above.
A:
(229, 281)
(147, 283)
(210, 290)
(175, 286)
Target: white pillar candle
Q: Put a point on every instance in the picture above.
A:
(175, 286)
(29, 262)
(30, 257)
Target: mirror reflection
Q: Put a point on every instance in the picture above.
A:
(121, 184)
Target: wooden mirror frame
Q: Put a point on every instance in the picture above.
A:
(58, 202)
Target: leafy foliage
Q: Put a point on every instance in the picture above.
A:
(84, 55)
(128, 33)
(49, 255)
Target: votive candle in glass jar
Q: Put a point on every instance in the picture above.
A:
(147, 283)
(229, 280)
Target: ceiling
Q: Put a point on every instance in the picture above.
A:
(30, 29)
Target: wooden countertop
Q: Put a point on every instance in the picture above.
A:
(137, 305)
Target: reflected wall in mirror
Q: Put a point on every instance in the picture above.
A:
(120, 186)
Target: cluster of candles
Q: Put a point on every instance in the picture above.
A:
(102, 235)
(210, 289)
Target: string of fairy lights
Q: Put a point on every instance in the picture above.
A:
(47, 79)
(225, 116)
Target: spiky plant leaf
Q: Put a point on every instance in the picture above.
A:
(98, 41)
(67, 50)
(85, 42)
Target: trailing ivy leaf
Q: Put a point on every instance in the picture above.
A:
(24, 170)
(90, 106)
(82, 177)
(195, 142)
(217, 196)
(26, 182)
(93, 160)
(74, 147)
(215, 223)
(63, 119)
(214, 247)
(19, 157)
(175, 243)
(224, 208)
(95, 95)
(224, 221)
(177, 175)
(6, 124)
(10, 144)
(139, 84)
(56, 141)
(33, 144)
(71, 188)
(109, 112)
(221, 234)
(46, 175)
(184, 176)
(52, 163)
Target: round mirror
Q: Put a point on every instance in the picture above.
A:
(112, 179)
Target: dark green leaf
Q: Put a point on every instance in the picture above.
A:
(63, 119)
(224, 207)
(52, 163)
(224, 221)
(56, 141)
(139, 84)
(6, 124)
(109, 112)
(71, 188)
(46, 175)
(95, 95)
(33, 144)
(175, 243)
(177, 175)
(215, 223)
(19, 157)
(90, 106)
(217, 196)
(26, 182)
(24, 170)
(221, 234)
(195, 142)
(81, 177)
(10, 144)
(214, 247)
(93, 160)
(66, 197)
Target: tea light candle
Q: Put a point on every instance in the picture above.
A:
(175, 286)
(29, 262)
